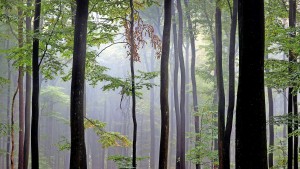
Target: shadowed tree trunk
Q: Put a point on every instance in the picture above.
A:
(231, 90)
(182, 85)
(271, 126)
(251, 144)
(21, 92)
(193, 70)
(132, 49)
(28, 96)
(78, 150)
(35, 88)
(164, 86)
(292, 24)
(220, 86)
(175, 88)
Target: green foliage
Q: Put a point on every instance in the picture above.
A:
(63, 144)
(107, 139)
(282, 74)
(123, 162)
(208, 132)
(142, 80)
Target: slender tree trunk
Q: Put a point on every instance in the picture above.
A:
(21, 92)
(292, 24)
(8, 111)
(132, 49)
(28, 96)
(231, 90)
(220, 86)
(251, 142)
(175, 88)
(182, 85)
(193, 75)
(271, 126)
(296, 123)
(12, 130)
(164, 86)
(78, 150)
(35, 88)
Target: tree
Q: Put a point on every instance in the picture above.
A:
(182, 85)
(251, 148)
(35, 88)
(164, 85)
(78, 150)
(175, 88)
(220, 85)
(231, 88)
(132, 50)
(193, 71)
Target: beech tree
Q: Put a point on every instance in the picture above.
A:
(251, 147)
(78, 150)
(164, 85)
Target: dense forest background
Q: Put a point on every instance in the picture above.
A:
(105, 84)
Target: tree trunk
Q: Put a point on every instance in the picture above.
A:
(271, 126)
(296, 123)
(231, 90)
(78, 150)
(132, 49)
(175, 88)
(251, 144)
(8, 111)
(28, 96)
(35, 88)
(164, 86)
(21, 92)
(182, 85)
(292, 24)
(193, 75)
(220, 86)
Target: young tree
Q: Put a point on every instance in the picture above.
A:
(132, 49)
(164, 85)
(35, 88)
(78, 150)
(251, 147)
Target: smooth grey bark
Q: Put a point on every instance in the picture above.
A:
(175, 88)
(182, 85)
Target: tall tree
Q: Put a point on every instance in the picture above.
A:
(220, 84)
(78, 150)
(132, 49)
(182, 85)
(193, 70)
(28, 95)
(292, 24)
(164, 85)
(251, 147)
(175, 88)
(21, 91)
(231, 87)
(35, 88)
